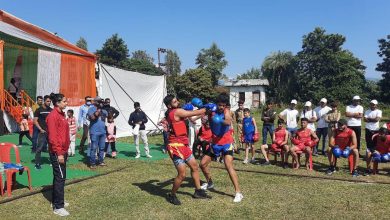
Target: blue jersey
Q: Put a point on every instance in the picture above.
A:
(248, 126)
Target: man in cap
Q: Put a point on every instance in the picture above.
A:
(138, 118)
(322, 125)
(372, 117)
(311, 115)
(354, 114)
(97, 131)
(292, 117)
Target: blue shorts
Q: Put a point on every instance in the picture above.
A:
(248, 138)
(177, 160)
(226, 149)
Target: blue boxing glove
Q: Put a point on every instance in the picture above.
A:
(217, 119)
(336, 151)
(211, 107)
(197, 102)
(376, 157)
(385, 158)
(188, 107)
(346, 152)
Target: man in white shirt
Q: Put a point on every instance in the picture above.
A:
(291, 117)
(372, 117)
(354, 114)
(309, 114)
(322, 125)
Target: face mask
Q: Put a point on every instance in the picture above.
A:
(88, 103)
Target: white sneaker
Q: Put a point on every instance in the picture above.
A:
(204, 186)
(137, 156)
(20, 145)
(238, 197)
(245, 161)
(66, 204)
(61, 212)
(148, 156)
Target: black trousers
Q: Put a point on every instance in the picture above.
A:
(59, 176)
(85, 135)
(41, 145)
(358, 132)
(113, 149)
(370, 143)
(24, 133)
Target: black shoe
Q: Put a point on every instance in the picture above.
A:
(38, 166)
(173, 199)
(367, 172)
(285, 165)
(355, 173)
(200, 194)
(266, 163)
(330, 171)
(315, 154)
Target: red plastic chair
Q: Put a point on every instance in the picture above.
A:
(350, 163)
(5, 155)
(1, 185)
(275, 153)
(295, 163)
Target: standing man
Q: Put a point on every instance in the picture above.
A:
(239, 116)
(268, 118)
(97, 130)
(138, 118)
(354, 115)
(372, 117)
(110, 110)
(84, 122)
(310, 115)
(35, 128)
(322, 125)
(291, 117)
(40, 122)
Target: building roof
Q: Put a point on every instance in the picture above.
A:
(246, 82)
(21, 29)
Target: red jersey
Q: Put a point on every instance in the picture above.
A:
(280, 134)
(382, 146)
(304, 135)
(343, 138)
(177, 129)
(205, 133)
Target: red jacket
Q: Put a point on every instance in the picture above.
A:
(58, 132)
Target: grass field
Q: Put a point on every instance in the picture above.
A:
(270, 192)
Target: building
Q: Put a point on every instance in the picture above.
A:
(251, 91)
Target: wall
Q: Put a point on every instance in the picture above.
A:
(234, 95)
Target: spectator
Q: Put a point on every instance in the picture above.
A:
(354, 115)
(332, 117)
(310, 115)
(322, 125)
(58, 137)
(110, 110)
(292, 117)
(97, 131)
(239, 116)
(111, 136)
(24, 130)
(13, 89)
(138, 119)
(40, 122)
(35, 128)
(83, 122)
(372, 117)
(164, 124)
(268, 118)
(72, 132)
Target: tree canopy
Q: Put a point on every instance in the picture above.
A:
(114, 52)
(384, 66)
(82, 43)
(212, 60)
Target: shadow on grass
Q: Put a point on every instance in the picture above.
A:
(156, 188)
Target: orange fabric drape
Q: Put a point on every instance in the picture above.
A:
(2, 73)
(77, 78)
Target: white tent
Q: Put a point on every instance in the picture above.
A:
(148, 90)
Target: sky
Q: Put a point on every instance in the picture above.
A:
(247, 31)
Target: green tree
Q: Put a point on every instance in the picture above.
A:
(194, 82)
(114, 52)
(279, 69)
(212, 60)
(253, 73)
(82, 43)
(325, 69)
(372, 90)
(142, 55)
(172, 63)
(142, 66)
(384, 83)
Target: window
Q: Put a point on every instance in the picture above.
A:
(241, 96)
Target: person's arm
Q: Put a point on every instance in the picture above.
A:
(285, 138)
(181, 113)
(107, 131)
(52, 129)
(314, 135)
(145, 119)
(272, 118)
(313, 117)
(326, 118)
(228, 118)
(80, 117)
(194, 118)
(332, 140)
(131, 119)
(280, 116)
(263, 117)
(115, 112)
(354, 141)
(254, 123)
(376, 119)
(93, 114)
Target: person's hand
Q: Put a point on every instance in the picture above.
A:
(42, 131)
(140, 122)
(61, 159)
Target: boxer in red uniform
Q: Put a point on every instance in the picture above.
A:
(280, 139)
(382, 147)
(303, 140)
(342, 137)
(178, 148)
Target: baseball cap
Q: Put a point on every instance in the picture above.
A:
(342, 121)
(375, 102)
(308, 103)
(356, 97)
(324, 100)
(294, 101)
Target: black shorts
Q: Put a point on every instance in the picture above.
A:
(206, 149)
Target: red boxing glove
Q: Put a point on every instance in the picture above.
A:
(256, 137)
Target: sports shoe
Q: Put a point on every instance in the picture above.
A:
(148, 156)
(266, 163)
(238, 197)
(102, 164)
(200, 194)
(330, 171)
(92, 167)
(285, 165)
(38, 166)
(173, 199)
(61, 212)
(209, 185)
(66, 204)
(245, 161)
(355, 173)
(137, 156)
(20, 145)
(367, 172)
(252, 160)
